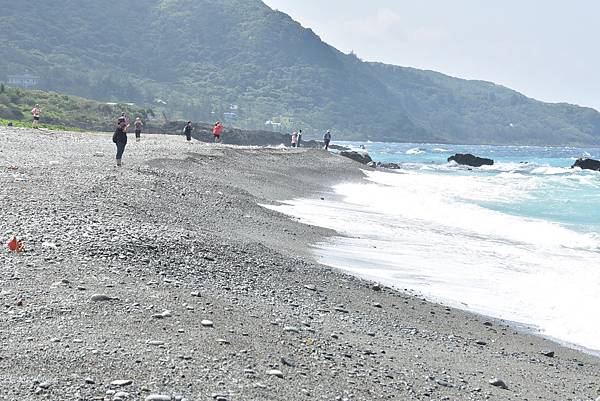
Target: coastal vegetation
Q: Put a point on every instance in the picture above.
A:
(242, 62)
(60, 111)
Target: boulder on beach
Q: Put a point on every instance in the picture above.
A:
(587, 164)
(470, 160)
(361, 157)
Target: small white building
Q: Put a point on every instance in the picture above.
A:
(23, 81)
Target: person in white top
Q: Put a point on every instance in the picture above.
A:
(36, 112)
(294, 139)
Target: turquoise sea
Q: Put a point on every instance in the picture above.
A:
(518, 241)
(550, 189)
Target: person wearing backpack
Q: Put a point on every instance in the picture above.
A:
(120, 139)
(187, 130)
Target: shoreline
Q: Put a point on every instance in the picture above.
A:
(179, 229)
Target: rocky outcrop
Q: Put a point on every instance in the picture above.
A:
(361, 157)
(587, 164)
(391, 166)
(468, 159)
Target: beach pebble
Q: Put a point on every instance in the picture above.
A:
(120, 383)
(155, 342)
(158, 397)
(162, 315)
(121, 395)
(291, 329)
(100, 298)
(549, 354)
(275, 372)
(498, 383)
(207, 323)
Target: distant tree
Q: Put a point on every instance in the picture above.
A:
(2, 88)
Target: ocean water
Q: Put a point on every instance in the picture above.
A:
(518, 241)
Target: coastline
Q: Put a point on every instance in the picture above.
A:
(181, 219)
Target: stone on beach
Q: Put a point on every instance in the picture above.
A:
(100, 298)
(275, 372)
(498, 383)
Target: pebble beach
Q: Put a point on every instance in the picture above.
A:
(166, 279)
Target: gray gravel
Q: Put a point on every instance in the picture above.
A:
(126, 267)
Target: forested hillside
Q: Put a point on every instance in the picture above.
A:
(200, 57)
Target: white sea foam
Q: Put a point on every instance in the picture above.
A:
(415, 151)
(424, 232)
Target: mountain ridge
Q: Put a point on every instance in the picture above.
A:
(201, 57)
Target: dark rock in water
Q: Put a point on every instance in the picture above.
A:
(587, 164)
(470, 160)
(392, 166)
(361, 157)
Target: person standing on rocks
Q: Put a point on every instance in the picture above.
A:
(327, 139)
(217, 131)
(36, 112)
(138, 128)
(120, 139)
(294, 139)
(187, 130)
(299, 138)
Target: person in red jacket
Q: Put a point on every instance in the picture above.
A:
(217, 130)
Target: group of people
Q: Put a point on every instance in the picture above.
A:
(217, 130)
(123, 124)
(297, 139)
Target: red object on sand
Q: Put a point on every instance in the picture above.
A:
(13, 244)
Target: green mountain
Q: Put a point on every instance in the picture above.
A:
(241, 61)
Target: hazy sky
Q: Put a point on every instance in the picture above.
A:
(546, 49)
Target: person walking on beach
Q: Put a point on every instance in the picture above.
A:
(36, 112)
(299, 138)
(187, 130)
(217, 131)
(294, 139)
(120, 139)
(327, 139)
(138, 128)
